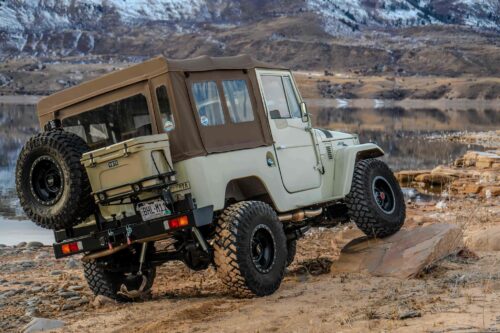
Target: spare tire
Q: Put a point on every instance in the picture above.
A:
(52, 185)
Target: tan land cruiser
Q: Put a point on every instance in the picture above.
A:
(211, 161)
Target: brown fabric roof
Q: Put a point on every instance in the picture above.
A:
(143, 71)
(189, 138)
(206, 63)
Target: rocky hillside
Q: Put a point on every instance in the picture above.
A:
(277, 30)
(340, 17)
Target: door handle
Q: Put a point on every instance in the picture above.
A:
(281, 147)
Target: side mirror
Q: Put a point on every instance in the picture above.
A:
(303, 112)
(275, 114)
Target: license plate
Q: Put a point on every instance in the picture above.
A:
(153, 209)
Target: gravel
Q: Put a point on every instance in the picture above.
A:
(69, 294)
(72, 263)
(21, 245)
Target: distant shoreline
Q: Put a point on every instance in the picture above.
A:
(13, 232)
(20, 99)
(459, 103)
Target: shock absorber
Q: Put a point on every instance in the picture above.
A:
(142, 257)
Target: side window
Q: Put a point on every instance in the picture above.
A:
(114, 122)
(238, 100)
(275, 98)
(167, 120)
(208, 104)
(293, 103)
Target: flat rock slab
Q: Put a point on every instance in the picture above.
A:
(485, 240)
(402, 255)
(42, 325)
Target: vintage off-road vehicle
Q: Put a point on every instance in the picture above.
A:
(205, 160)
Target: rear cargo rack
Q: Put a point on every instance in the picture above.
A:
(102, 197)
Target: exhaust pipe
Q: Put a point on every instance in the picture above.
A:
(300, 215)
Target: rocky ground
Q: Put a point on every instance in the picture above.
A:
(320, 293)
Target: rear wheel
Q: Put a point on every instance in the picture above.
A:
(116, 278)
(376, 202)
(250, 250)
(51, 183)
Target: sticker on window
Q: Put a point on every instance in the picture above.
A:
(204, 120)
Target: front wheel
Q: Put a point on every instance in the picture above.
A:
(376, 202)
(250, 250)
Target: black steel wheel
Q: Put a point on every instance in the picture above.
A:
(376, 202)
(263, 248)
(383, 194)
(46, 180)
(250, 250)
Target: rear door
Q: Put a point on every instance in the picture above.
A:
(293, 143)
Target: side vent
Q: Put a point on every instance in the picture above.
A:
(329, 152)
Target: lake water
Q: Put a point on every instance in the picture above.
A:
(402, 129)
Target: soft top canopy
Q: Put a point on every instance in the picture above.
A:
(206, 63)
(144, 71)
(189, 138)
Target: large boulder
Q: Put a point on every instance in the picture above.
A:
(484, 240)
(402, 255)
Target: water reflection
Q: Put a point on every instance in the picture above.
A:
(401, 131)
(404, 133)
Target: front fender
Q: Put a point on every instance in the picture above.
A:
(345, 161)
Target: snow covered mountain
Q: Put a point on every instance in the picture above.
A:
(340, 16)
(80, 27)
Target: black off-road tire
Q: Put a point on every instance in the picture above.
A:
(239, 231)
(375, 218)
(60, 206)
(291, 247)
(107, 283)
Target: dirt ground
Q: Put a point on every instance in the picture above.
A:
(459, 294)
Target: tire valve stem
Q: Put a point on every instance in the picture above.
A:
(142, 257)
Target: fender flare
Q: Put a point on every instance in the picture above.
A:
(345, 161)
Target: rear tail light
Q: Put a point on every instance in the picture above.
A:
(71, 247)
(178, 222)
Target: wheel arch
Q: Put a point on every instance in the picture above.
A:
(345, 161)
(247, 188)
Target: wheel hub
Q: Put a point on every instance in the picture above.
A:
(383, 194)
(46, 180)
(263, 248)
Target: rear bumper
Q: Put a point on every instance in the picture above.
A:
(90, 239)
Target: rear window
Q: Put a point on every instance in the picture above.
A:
(208, 104)
(115, 122)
